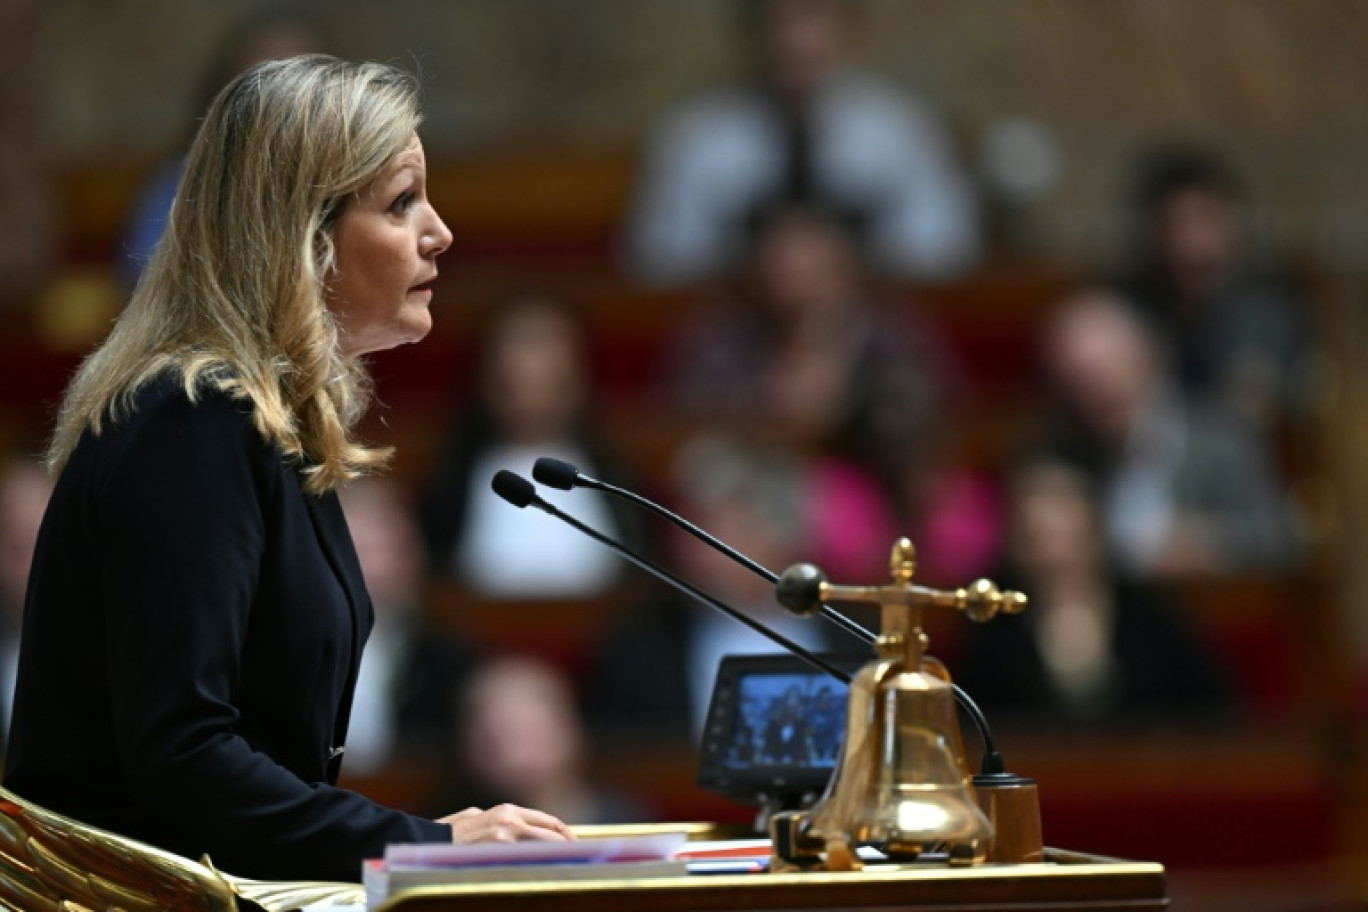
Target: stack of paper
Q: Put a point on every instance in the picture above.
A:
(726, 856)
(442, 864)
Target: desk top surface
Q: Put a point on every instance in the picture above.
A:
(1067, 881)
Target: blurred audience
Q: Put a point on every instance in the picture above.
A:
(531, 398)
(24, 491)
(1185, 488)
(522, 740)
(656, 673)
(271, 32)
(1240, 332)
(1091, 647)
(406, 691)
(807, 126)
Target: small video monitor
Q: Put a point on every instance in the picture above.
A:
(773, 732)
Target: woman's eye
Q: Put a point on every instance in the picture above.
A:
(401, 203)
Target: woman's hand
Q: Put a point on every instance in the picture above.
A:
(505, 823)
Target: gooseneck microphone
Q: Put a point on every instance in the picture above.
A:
(563, 476)
(796, 595)
(521, 493)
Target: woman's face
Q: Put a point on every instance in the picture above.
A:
(1055, 525)
(387, 241)
(536, 376)
(805, 268)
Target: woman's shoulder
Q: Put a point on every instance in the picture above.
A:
(167, 401)
(166, 418)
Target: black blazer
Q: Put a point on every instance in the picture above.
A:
(192, 634)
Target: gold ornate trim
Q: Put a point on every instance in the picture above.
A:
(51, 863)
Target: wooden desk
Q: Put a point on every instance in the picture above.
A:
(1068, 881)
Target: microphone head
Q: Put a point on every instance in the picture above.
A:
(513, 488)
(555, 474)
(799, 589)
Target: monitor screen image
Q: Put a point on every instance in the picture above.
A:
(774, 728)
(787, 720)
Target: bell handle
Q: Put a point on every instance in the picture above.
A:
(981, 601)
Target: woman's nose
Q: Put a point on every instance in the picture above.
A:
(436, 238)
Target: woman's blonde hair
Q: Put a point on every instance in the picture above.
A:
(234, 294)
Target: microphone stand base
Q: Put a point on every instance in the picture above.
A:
(1012, 803)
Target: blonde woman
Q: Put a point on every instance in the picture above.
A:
(196, 615)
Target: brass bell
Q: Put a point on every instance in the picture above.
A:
(901, 784)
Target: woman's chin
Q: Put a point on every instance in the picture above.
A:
(421, 327)
(412, 331)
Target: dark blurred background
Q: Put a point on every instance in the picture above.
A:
(1070, 292)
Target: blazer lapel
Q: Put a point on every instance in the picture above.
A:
(335, 538)
(330, 524)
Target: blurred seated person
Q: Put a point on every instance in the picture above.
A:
(522, 739)
(655, 675)
(812, 355)
(807, 345)
(1091, 647)
(808, 126)
(24, 491)
(1240, 333)
(272, 32)
(950, 510)
(405, 692)
(530, 398)
(1185, 489)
